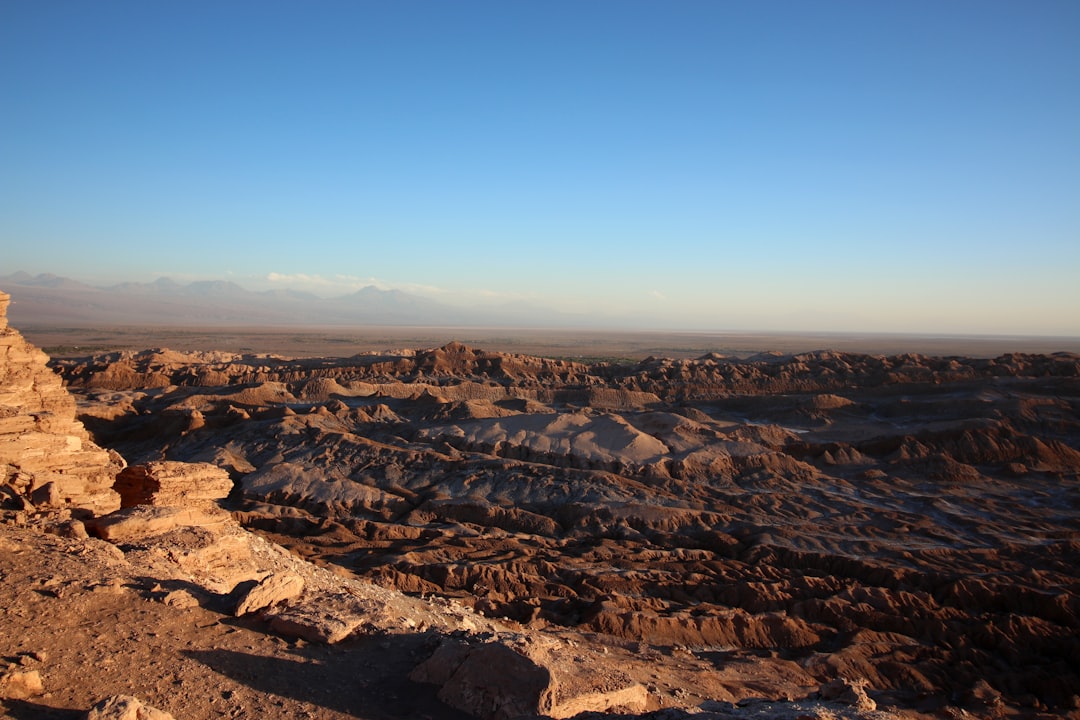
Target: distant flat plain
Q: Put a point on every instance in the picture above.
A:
(584, 345)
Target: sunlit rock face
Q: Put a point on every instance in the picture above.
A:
(46, 456)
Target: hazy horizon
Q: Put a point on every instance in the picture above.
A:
(896, 167)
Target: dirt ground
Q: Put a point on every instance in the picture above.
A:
(94, 625)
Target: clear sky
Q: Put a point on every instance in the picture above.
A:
(909, 166)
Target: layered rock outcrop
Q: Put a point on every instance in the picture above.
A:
(46, 455)
(164, 483)
(163, 495)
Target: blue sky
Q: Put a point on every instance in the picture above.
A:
(898, 166)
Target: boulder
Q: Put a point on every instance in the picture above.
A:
(125, 707)
(180, 599)
(521, 677)
(16, 685)
(273, 590)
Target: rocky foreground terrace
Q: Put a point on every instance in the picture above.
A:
(452, 532)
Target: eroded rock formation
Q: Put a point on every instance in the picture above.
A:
(907, 520)
(166, 483)
(46, 456)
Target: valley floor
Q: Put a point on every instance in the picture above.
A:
(782, 519)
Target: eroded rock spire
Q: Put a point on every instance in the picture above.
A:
(46, 456)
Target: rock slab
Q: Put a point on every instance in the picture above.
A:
(166, 483)
(501, 680)
(143, 521)
(273, 590)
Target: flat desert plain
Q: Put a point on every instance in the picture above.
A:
(313, 341)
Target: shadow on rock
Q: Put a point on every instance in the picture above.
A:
(365, 677)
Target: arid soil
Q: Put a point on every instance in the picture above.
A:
(778, 520)
(93, 622)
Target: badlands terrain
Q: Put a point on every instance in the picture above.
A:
(496, 534)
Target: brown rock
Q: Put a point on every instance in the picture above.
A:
(848, 692)
(273, 590)
(172, 483)
(180, 599)
(509, 679)
(143, 521)
(491, 681)
(74, 529)
(316, 625)
(217, 557)
(45, 452)
(21, 685)
(125, 707)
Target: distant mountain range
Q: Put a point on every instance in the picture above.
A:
(48, 299)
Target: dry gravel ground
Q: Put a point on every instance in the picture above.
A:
(94, 625)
